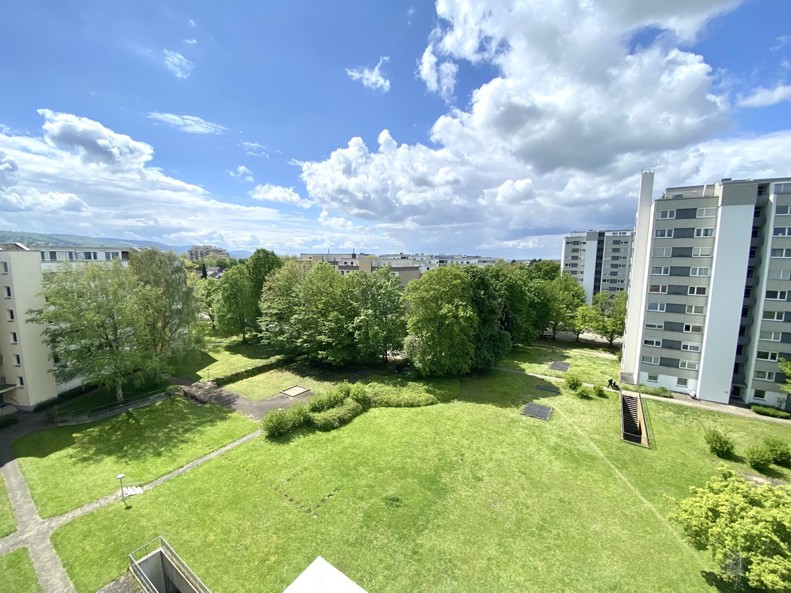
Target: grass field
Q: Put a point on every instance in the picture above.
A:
(463, 496)
(69, 466)
(222, 357)
(106, 397)
(591, 364)
(17, 574)
(7, 519)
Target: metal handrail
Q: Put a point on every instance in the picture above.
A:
(162, 546)
(185, 570)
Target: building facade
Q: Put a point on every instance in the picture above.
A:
(200, 252)
(599, 260)
(26, 377)
(709, 310)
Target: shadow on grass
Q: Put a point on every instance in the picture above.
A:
(727, 586)
(505, 390)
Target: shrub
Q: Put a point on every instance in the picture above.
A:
(720, 444)
(337, 416)
(583, 393)
(598, 391)
(767, 411)
(385, 399)
(280, 422)
(360, 394)
(781, 452)
(8, 420)
(759, 457)
(573, 382)
(330, 399)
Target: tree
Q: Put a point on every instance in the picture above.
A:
(581, 321)
(746, 527)
(204, 273)
(208, 291)
(441, 322)
(260, 265)
(516, 309)
(96, 320)
(379, 324)
(280, 302)
(490, 341)
(236, 308)
(565, 296)
(608, 315)
(543, 269)
(173, 306)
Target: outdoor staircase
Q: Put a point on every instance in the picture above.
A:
(633, 426)
(132, 490)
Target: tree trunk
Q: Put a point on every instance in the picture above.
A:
(119, 390)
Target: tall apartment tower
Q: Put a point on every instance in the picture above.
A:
(599, 260)
(709, 308)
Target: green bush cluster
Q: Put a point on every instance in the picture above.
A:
(573, 382)
(583, 393)
(280, 422)
(780, 451)
(331, 399)
(360, 394)
(8, 420)
(767, 411)
(759, 457)
(598, 391)
(337, 416)
(402, 400)
(719, 443)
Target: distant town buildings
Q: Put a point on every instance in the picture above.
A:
(599, 260)
(200, 252)
(709, 308)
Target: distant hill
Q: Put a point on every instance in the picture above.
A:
(40, 240)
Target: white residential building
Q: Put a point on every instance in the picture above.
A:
(599, 260)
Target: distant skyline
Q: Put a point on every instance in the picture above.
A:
(489, 128)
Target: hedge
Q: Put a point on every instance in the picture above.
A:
(767, 411)
(331, 399)
(8, 420)
(280, 422)
(337, 416)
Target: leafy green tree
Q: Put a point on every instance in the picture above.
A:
(490, 341)
(96, 320)
(516, 309)
(746, 527)
(236, 308)
(280, 303)
(173, 307)
(441, 322)
(581, 321)
(208, 291)
(543, 269)
(260, 265)
(566, 295)
(608, 315)
(379, 324)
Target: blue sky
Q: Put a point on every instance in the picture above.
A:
(384, 126)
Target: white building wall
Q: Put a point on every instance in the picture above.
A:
(589, 277)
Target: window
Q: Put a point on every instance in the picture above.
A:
(658, 307)
(770, 336)
(662, 252)
(53, 256)
(7, 291)
(759, 394)
(650, 359)
(690, 365)
(706, 213)
(20, 381)
(765, 375)
(660, 271)
(702, 251)
(783, 188)
(774, 315)
(779, 274)
(781, 210)
(653, 378)
(682, 382)
(4, 267)
(782, 231)
(764, 355)
(652, 342)
(654, 325)
(696, 290)
(699, 271)
(690, 346)
(13, 338)
(696, 310)
(10, 314)
(666, 214)
(692, 328)
(663, 233)
(17, 360)
(707, 232)
(658, 288)
(776, 295)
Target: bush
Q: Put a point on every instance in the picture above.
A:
(337, 416)
(8, 420)
(280, 422)
(767, 411)
(573, 382)
(330, 399)
(360, 394)
(781, 452)
(598, 391)
(720, 444)
(583, 393)
(389, 399)
(759, 457)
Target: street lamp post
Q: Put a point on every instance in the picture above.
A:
(120, 478)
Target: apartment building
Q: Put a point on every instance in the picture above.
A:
(709, 308)
(25, 364)
(200, 252)
(599, 260)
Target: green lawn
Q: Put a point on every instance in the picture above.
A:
(270, 383)
(17, 574)
(69, 466)
(7, 519)
(464, 496)
(106, 396)
(591, 364)
(222, 357)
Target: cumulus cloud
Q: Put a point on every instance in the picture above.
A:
(439, 77)
(191, 41)
(372, 78)
(278, 194)
(242, 173)
(763, 97)
(191, 124)
(180, 66)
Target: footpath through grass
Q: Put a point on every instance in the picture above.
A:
(589, 363)
(17, 574)
(69, 466)
(460, 497)
(7, 519)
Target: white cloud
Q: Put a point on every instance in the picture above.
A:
(191, 124)
(192, 23)
(254, 149)
(242, 173)
(190, 41)
(180, 66)
(763, 97)
(439, 77)
(780, 42)
(278, 194)
(371, 78)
